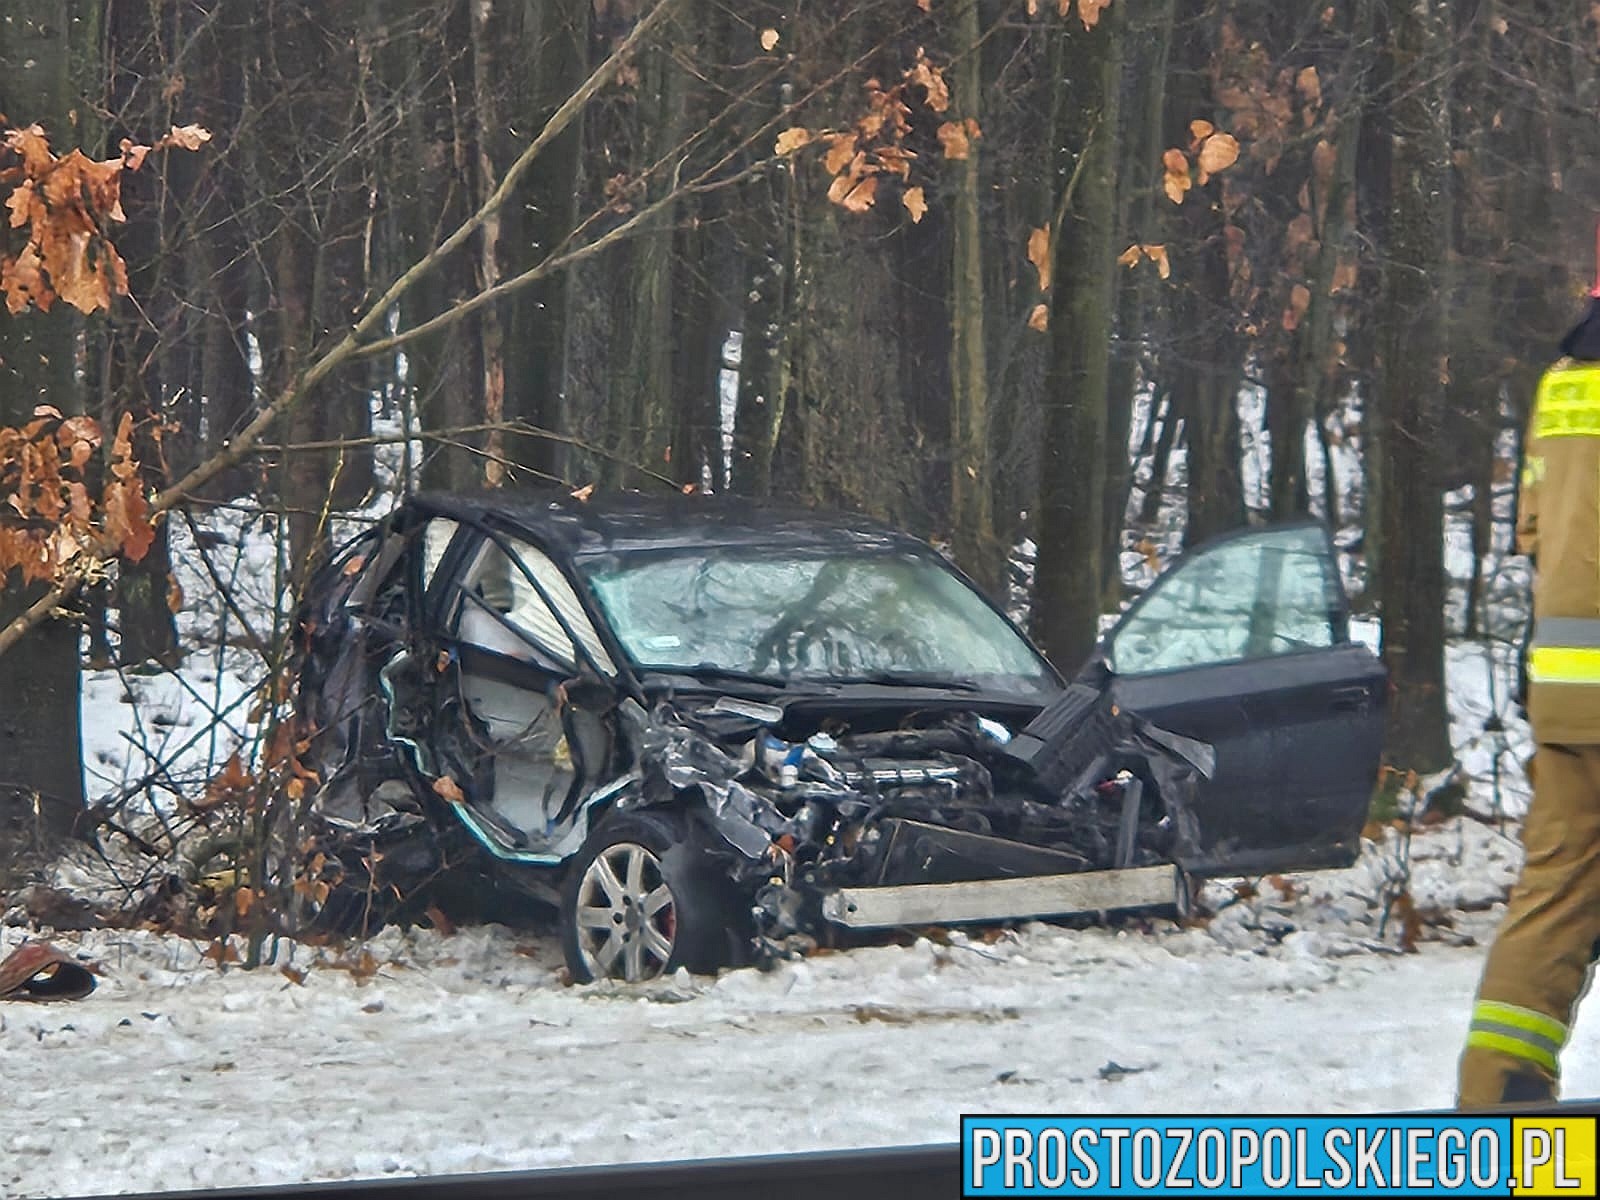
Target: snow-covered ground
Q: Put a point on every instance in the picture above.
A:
(467, 1053)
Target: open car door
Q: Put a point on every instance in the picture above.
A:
(1244, 643)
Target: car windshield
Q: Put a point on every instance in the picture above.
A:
(783, 615)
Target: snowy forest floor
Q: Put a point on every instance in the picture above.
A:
(466, 1052)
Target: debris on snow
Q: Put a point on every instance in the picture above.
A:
(40, 972)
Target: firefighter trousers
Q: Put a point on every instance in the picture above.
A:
(1539, 964)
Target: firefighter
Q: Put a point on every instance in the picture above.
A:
(1540, 960)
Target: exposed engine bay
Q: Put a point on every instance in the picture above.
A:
(812, 803)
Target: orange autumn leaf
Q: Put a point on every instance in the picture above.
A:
(859, 198)
(953, 138)
(1220, 151)
(791, 140)
(185, 137)
(936, 92)
(895, 160)
(1039, 255)
(1175, 180)
(65, 205)
(841, 150)
(1136, 253)
(1089, 11)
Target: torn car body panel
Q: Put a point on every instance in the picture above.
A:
(827, 707)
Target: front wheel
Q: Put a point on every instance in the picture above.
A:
(637, 903)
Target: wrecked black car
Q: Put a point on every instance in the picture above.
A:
(709, 731)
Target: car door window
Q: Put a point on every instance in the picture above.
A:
(515, 592)
(1254, 596)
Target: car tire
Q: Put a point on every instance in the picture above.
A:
(636, 903)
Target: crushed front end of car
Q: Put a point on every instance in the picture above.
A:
(940, 817)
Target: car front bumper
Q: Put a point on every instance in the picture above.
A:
(1007, 899)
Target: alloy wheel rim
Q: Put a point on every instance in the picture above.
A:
(626, 916)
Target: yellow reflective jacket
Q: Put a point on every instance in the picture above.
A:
(1559, 522)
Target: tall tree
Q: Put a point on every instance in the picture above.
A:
(1205, 351)
(1408, 405)
(1147, 55)
(552, 35)
(49, 54)
(641, 391)
(1072, 470)
(971, 489)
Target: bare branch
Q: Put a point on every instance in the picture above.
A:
(37, 612)
(448, 435)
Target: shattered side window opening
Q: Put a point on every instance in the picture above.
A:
(524, 590)
(488, 628)
(436, 540)
(793, 615)
(1258, 596)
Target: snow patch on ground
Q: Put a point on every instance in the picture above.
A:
(468, 1052)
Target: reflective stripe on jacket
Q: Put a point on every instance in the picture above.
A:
(1559, 523)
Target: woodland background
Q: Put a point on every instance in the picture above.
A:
(1004, 272)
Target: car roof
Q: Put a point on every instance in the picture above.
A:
(617, 522)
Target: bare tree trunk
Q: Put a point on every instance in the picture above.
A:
(553, 36)
(641, 399)
(1146, 75)
(49, 50)
(1408, 405)
(765, 369)
(145, 357)
(227, 385)
(1067, 589)
(1160, 463)
(491, 331)
(427, 71)
(1205, 351)
(971, 516)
